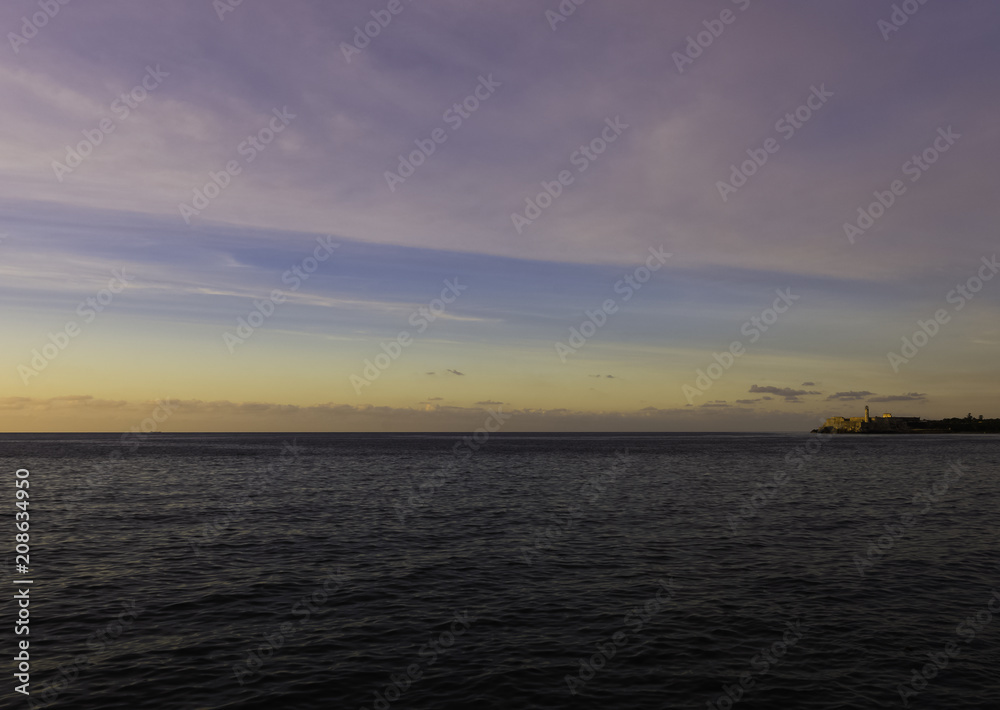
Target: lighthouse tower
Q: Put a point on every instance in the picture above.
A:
(867, 418)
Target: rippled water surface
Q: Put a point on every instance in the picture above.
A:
(329, 571)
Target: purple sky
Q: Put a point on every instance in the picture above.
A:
(609, 98)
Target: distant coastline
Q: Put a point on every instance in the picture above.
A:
(889, 424)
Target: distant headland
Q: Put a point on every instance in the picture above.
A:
(888, 424)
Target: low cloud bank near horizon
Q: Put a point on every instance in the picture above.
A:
(82, 413)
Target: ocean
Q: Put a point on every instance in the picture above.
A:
(506, 571)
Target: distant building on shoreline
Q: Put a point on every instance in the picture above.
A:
(868, 425)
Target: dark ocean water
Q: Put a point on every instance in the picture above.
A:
(245, 571)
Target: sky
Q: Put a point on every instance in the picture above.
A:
(428, 215)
